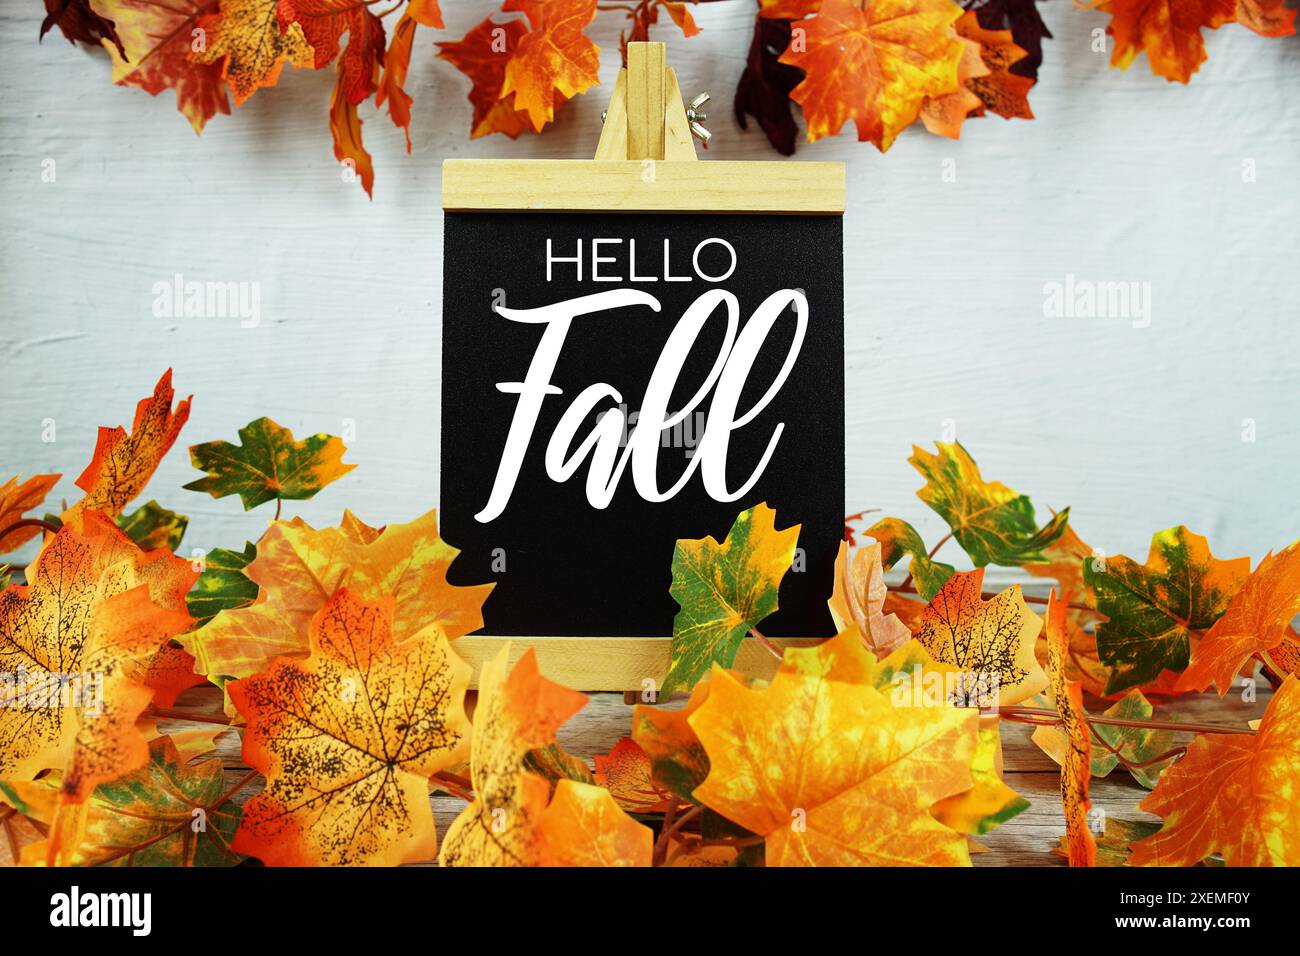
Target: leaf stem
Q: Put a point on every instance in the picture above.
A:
(1176, 726)
(758, 635)
(30, 523)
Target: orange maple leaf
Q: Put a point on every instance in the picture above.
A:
(80, 634)
(875, 63)
(626, 772)
(345, 128)
(297, 567)
(17, 499)
(1076, 762)
(1168, 30)
(1268, 18)
(482, 55)
(1257, 620)
(348, 739)
(157, 37)
(515, 820)
(554, 61)
(1232, 794)
(397, 61)
(943, 115)
(123, 464)
(245, 37)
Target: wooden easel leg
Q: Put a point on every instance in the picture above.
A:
(645, 100)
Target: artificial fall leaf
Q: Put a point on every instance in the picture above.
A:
(1257, 620)
(915, 679)
(626, 772)
(765, 85)
(687, 851)
(169, 673)
(555, 764)
(1024, 21)
(17, 832)
(80, 634)
(1168, 30)
(324, 22)
(157, 40)
(1135, 744)
(123, 463)
(268, 464)
(678, 761)
(875, 64)
(482, 55)
(989, 802)
(397, 61)
(245, 37)
(152, 526)
(298, 567)
(725, 590)
(999, 88)
(554, 61)
(1153, 608)
(1268, 18)
(345, 128)
(1062, 562)
(991, 640)
(1081, 848)
(646, 14)
(166, 813)
(943, 115)
(583, 825)
(348, 739)
(1112, 846)
(78, 21)
(858, 599)
(1232, 794)
(222, 584)
(510, 822)
(788, 9)
(898, 538)
(15, 500)
(992, 523)
(827, 770)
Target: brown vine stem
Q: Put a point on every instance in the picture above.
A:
(1176, 726)
(672, 825)
(186, 715)
(30, 523)
(1134, 764)
(449, 782)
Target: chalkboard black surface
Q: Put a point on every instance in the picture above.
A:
(578, 531)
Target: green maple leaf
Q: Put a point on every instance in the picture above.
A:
(725, 590)
(1154, 607)
(994, 524)
(222, 585)
(898, 538)
(167, 813)
(1137, 744)
(153, 526)
(268, 465)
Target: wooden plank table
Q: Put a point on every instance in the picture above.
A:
(1026, 840)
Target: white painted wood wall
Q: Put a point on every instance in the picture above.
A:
(1122, 177)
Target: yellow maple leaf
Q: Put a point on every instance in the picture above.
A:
(992, 641)
(297, 567)
(828, 770)
(245, 36)
(348, 739)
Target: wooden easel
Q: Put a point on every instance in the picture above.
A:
(646, 121)
(646, 118)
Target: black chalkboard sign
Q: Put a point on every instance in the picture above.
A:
(615, 381)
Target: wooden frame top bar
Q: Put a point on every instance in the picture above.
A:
(650, 186)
